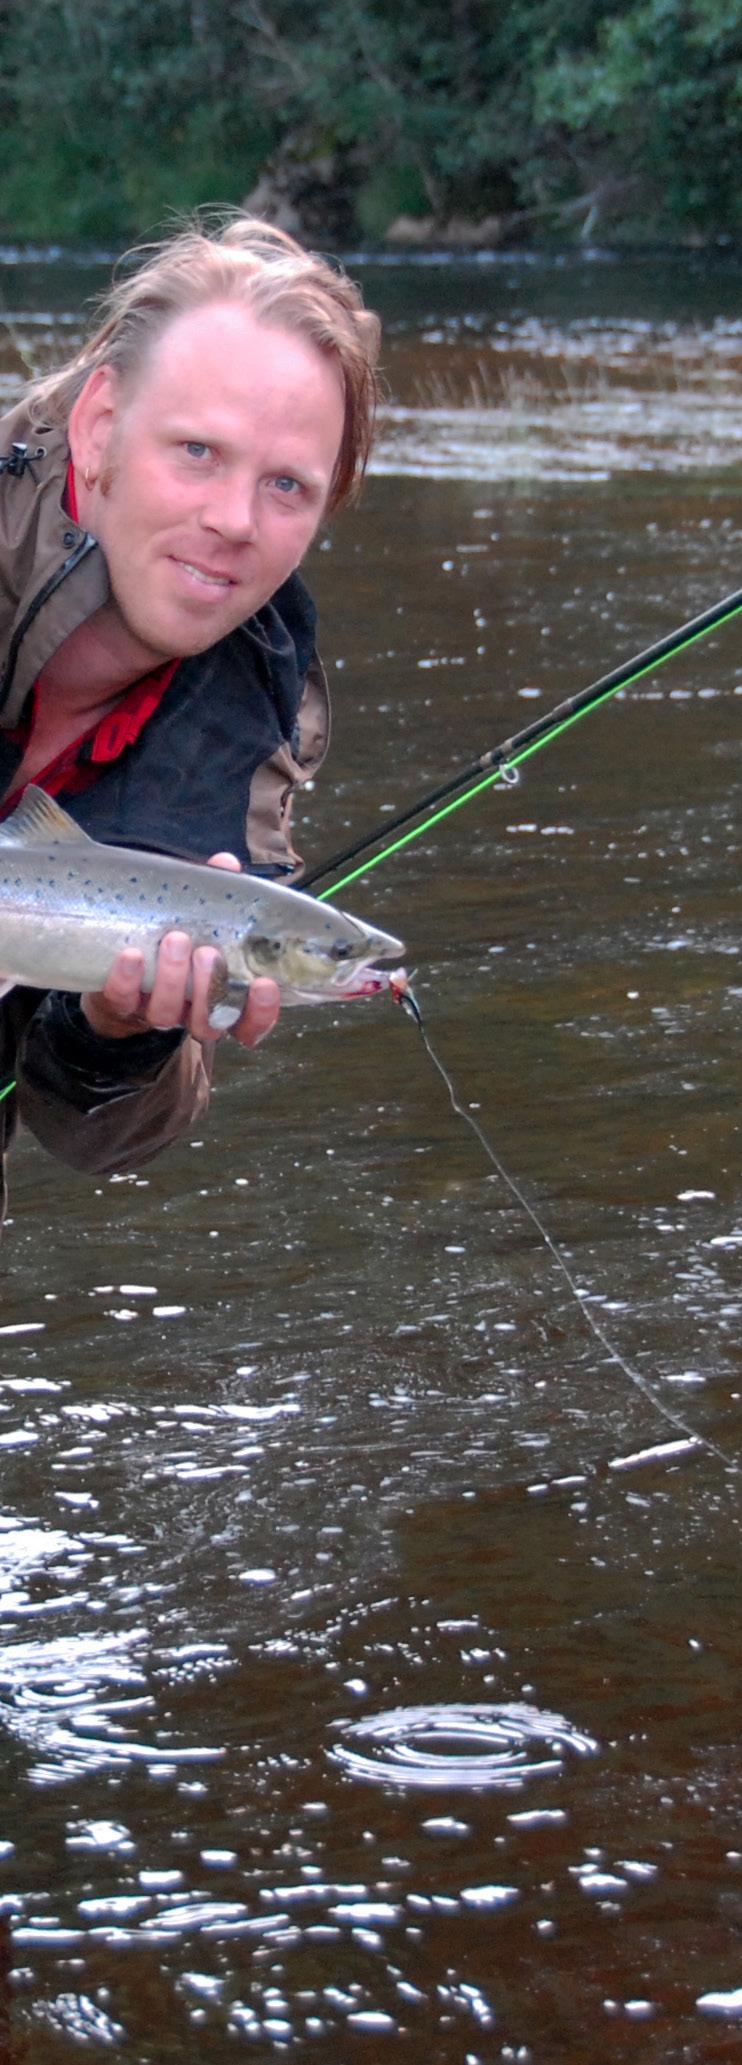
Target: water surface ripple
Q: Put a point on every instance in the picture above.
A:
(459, 1746)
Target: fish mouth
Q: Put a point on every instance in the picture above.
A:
(316, 967)
(362, 980)
(358, 981)
(361, 970)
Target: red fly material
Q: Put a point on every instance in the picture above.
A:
(367, 982)
(371, 981)
(398, 982)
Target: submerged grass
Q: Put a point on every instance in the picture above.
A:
(512, 377)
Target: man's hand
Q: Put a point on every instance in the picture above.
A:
(120, 1009)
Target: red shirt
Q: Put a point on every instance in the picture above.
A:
(82, 761)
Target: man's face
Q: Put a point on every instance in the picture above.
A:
(213, 471)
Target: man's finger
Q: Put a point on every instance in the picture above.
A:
(180, 993)
(116, 1010)
(260, 1013)
(166, 1007)
(205, 960)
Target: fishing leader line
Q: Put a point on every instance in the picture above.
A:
(403, 995)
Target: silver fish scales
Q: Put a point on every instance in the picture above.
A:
(69, 904)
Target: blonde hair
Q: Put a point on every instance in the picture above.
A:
(243, 259)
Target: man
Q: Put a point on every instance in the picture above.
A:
(159, 674)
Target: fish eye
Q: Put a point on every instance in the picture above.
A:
(341, 951)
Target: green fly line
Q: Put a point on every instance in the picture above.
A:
(515, 759)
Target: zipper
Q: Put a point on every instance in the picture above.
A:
(87, 544)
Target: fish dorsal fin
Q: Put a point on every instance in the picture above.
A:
(38, 818)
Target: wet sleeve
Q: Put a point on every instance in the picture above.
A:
(105, 1105)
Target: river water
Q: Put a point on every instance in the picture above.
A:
(369, 1640)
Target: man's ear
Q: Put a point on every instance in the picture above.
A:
(91, 422)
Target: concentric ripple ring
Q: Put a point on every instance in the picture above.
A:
(502, 1746)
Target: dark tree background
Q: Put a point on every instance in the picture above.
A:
(513, 119)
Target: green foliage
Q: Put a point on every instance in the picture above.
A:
(389, 191)
(116, 113)
(657, 97)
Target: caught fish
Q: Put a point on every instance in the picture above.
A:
(69, 904)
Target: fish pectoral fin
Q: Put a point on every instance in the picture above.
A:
(36, 817)
(226, 998)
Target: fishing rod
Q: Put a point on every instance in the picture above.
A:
(500, 763)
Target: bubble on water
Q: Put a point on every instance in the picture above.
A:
(373, 2020)
(99, 1835)
(82, 2019)
(501, 1746)
(721, 2003)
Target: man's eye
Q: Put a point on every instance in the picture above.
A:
(195, 449)
(286, 483)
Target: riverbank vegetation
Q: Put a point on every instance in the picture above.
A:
(463, 121)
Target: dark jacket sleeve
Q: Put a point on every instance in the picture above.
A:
(105, 1105)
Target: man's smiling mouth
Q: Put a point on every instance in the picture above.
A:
(208, 576)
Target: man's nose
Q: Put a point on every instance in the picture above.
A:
(231, 508)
